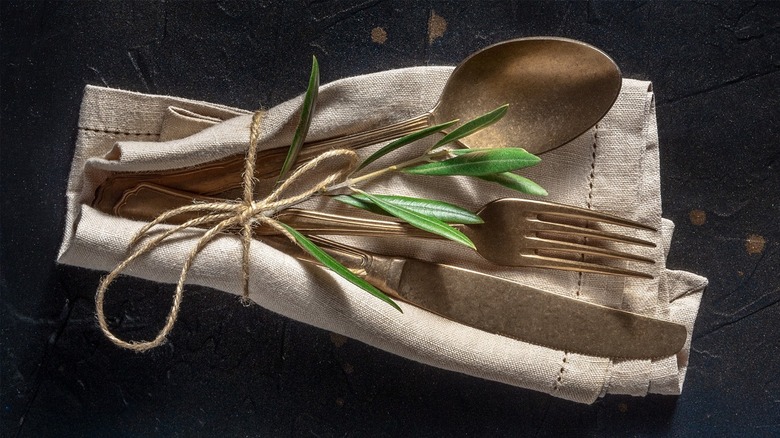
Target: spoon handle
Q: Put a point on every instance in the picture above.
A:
(219, 178)
(373, 136)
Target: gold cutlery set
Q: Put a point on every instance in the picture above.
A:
(556, 89)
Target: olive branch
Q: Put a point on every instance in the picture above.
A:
(494, 165)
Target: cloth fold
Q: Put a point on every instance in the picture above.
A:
(613, 167)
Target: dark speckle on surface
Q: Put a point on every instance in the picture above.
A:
(754, 244)
(436, 27)
(698, 217)
(230, 370)
(378, 35)
(338, 340)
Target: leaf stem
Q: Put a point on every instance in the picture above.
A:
(400, 166)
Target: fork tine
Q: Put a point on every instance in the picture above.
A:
(573, 230)
(548, 208)
(570, 247)
(539, 261)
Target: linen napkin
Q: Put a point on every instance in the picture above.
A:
(613, 168)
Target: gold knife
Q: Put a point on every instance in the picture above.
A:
(507, 308)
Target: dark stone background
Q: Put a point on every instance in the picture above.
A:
(235, 371)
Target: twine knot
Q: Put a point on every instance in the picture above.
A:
(222, 216)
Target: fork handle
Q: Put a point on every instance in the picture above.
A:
(146, 201)
(315, 222)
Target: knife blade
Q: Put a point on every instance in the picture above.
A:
(514, 310)
(539, 317)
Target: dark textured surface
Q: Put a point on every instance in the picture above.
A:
(235, 371)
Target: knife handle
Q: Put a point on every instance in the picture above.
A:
(381, 271)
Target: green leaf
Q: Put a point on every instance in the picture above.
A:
(478, 162)
(403, 141)
(423, 222)
(327, 260)
(516, 182)
(444, 211)
(307, 112)
(473, 126)
(363, 204)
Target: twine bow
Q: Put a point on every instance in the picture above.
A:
(227, 215)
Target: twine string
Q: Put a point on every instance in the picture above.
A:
(222, 216)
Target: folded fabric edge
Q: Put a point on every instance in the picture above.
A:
(104, 111)
(683, 309)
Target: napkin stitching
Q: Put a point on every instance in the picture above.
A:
(593, 166)
(589, 204)
(111, 131)
(564, 361)
(559, 380)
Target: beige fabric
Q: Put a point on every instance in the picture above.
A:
(613, 168)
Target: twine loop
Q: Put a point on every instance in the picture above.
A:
(222, 216)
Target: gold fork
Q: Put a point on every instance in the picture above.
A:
(515, 232)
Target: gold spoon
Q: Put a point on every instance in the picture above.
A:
(556, 89)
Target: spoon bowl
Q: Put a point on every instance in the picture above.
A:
(556, 89)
